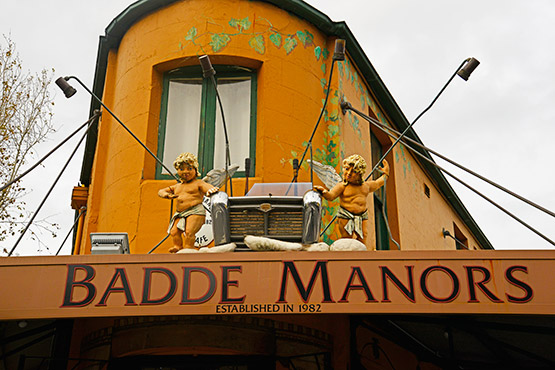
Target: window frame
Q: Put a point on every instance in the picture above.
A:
(380, 202)
(209, 110)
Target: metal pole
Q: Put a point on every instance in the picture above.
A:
(49, 191)
(124, 126)
(95, 115)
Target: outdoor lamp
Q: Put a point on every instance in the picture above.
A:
(468, 68)
(68, 90)
(207, 69)
(339, 51)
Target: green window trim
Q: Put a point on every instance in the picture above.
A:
(382, 234)
(207, 120)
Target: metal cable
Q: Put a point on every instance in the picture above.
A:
(81, 212)
(50, 190)
(95, 115)
(471, 188)
(415, 120)
(317, 122)
(124, 126)
(159, 243)
(384, 213)
(349, 106)
(227, 155)
(500, 187)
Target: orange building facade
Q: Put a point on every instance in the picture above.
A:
(424, 306)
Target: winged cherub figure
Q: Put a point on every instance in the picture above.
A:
(352, 191)
(189, 194)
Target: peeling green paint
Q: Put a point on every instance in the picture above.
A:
(275, 38)
(240, 24)
(289, 44)
(257, 43)
(219, 41)
(318, 52)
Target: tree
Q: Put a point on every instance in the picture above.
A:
(25, 121)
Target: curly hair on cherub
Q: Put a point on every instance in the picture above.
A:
(358, 163)
(187, 158)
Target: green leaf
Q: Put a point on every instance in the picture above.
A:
(257, 43)
(219, 41)
(191, 34)
(275, 38)
(240, 24)
(323, 68)
(333, 129)
(318, 52)
(334, 116)
(341, 68)
(305, 37)
(289, 44)
(325, 53)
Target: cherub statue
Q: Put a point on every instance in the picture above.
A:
(352, 191)
(189, 193)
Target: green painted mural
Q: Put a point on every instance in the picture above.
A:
(218, 41)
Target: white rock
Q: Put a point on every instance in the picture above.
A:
(316, 247)
(219, 248)
(258, 243)
(346, 244)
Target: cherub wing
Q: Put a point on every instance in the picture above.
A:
(217, 177)
(326, 173)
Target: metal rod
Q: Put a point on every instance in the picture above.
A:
(81, 212)
(384, 213)
(124, 126)
(318, 121)
(50, 190)
(247, 174)
(500, 187)
(227, 156)
(477, 192)
(457, 241)
(416, 119)
(348, 106)
(157, 245)
(95, 115)
(311, 168)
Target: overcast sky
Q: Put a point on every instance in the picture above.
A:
(500, 123)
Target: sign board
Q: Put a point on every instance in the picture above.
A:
(458, 282)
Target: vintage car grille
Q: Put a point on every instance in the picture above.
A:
(286, 218)
(277, 219)
(278, 224)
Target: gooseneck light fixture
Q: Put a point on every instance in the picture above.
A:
(412, 144)
(209, 72)
(69, 91)
(468, 68)
(338, 55)
(464, 71)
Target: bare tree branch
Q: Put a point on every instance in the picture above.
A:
(25, 121)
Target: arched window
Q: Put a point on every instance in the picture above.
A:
(190, 118)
